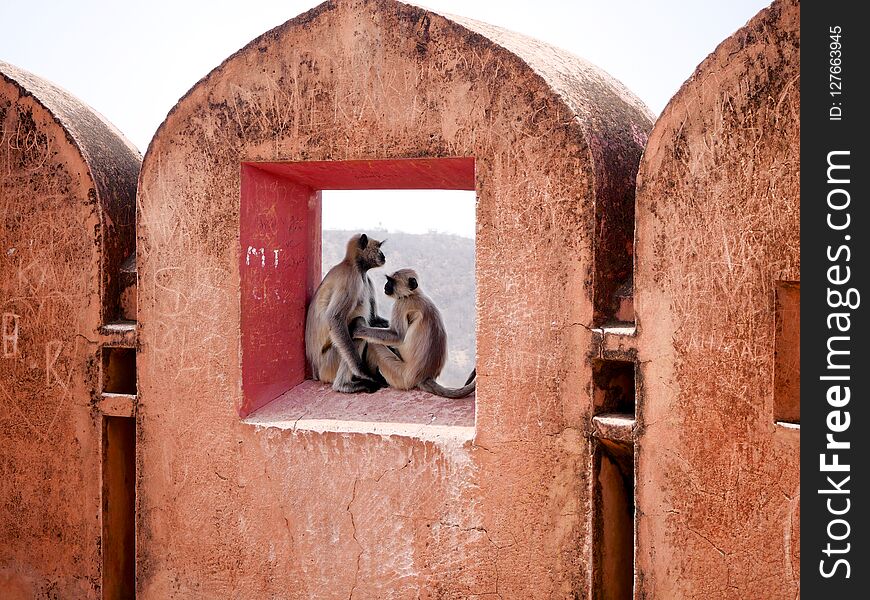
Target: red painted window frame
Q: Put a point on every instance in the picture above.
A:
(279, 253)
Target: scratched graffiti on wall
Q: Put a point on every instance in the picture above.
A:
(261, 253)
(45, 274)
(10, 335)
(191, 303)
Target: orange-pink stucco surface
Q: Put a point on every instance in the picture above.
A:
(67, 187)
(228, 507)
(718, 227)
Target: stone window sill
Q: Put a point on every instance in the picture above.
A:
(786, 425)
(314, 406)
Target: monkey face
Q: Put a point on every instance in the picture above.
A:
(402, 283)
(369, 253)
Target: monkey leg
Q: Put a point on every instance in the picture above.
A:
(328, 367)
(370, 360)
(347, 348)
(393, 368)
(346, 382)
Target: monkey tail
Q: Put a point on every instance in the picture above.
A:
(431, 386)
(471, 377)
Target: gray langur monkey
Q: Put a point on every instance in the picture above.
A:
(346, 295)
(412, 352)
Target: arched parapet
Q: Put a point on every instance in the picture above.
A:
(67, 191)
(112, 164)
(718, 301)
(230, 182)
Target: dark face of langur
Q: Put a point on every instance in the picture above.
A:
(398, 286)
(370, 255)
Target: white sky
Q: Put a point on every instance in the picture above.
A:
(132, 61)
(411, 211)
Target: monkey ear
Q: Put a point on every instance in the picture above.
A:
(363, 241)
(382, 243)
(412, 283)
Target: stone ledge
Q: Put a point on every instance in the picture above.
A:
(615, 341)
(119, 334)
(616, 427)
(787, 425)
(117, 405)
(314, 406)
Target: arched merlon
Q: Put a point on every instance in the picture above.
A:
(113, 165)
(614, 123)
(554, 144)
(67, 191)
(598, 111)
(717, 277)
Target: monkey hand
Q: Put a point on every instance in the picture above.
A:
(379, 321)
(356, 324)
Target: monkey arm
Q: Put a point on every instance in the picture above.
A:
(376, 335)
(375, 320)
(341, 341)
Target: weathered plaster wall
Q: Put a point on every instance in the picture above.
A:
(67, 182)
(717, 228)
(226, 509)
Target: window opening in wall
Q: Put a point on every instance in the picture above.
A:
(288, 240)
(119, 370)
(119, 507)
(614, 405)
(430, 231)
(787, 353)
(613, 387)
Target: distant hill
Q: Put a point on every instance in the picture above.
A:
(445, 264)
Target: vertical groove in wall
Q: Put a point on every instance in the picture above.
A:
(787, 353)
(614, 395)
(613, 558)
(613, 254)
(119, 507)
